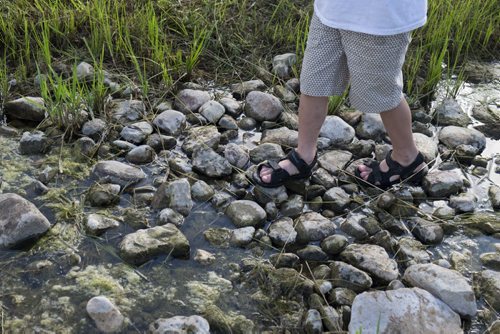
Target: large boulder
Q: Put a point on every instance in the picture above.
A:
(20, 221)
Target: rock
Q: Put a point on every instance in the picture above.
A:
(334, 161)
(201, 191)
(337, 130)
(245, 213)
(334, 244)
(212, 111)
(282, 64)
(464, 202)
(98, 224)
(426, 231)
(170, 122)
(231, 106)
(449, 112)
(102, 195)
(105, 314)
(199, 136)
(207, 162)
(454, 136)
(284, 93)
(141, 155)
(282, 136)
(487, 222)
(266, 151)
(226, 122)
(190, 100)
(136, 133)
(372, 259)
(265, 195)
(34, 143)
(242, 236)
(224, 323)
(448, 285)
(27, 108)
(494, 193)
(218, 237)
(312, 253)
(262, 106)
(440, 184)
(85, 71)
(489, 287)
(125, 111)
(121, 147)
(336, 199)
(161, 142)
(169, 216)
(204, 257)
(371, 127)
(346, 276)
(20, 221)
(313, 323)
(410, 251)
(236, 155)
(180, 325)
(396, 284)
(143, 245)
(242, 89)
(351, 226)
(341, 296)
(494, 328)
(312, 226)
(175, 195)
(491, 260)
(282, 232)
(426, 146)
(95, 129)
(118, 173)
(402, 311)
(293, 207)
(284, 260)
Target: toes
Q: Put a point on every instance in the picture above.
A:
(266, 178)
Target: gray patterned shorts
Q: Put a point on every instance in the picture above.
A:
(370, 63)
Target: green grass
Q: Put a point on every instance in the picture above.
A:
(159, 43)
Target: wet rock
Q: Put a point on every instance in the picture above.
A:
(236, 155)
(140, 155)
(282, 232)
(207, 162)
(341, 296)
(334, 161)
(212, 111)
(464, 202)
(143, 245)
(487, 222)
(266, 151)
(386, 200)
(449, 112)
(203, 135)
(242, 89)
(312, 253)
(337, 130)
(98, 224)
(20, 221)
(265, 195)
(180, 165)
(312, 226)
(371, 127)
(293, 206)
(331, 319)
(441, 184)
(118, 173)
(282, 64)
(203, 257)
(161, 142)
(281, 136)
(201, 191)
(491, 260)
(426, 146)
(27, 108)
(231, 106)
(488, 282)
(175, 195)
(222, 199)
(346, 276)
(219, 237)
(226, 122)
(396, 284)
(180, 325)
(105, 314)
(322, 177)
(102, 195)
(313, 323)
(448, 285)
(372, 259)
(242, 236)
(125, 111)
(403, 311)
(336, 199)
(169, 216)
(351, 226)
(334, 244)
(284, 260)
(34, 143)
(95, 129)
(190, 100)
(170, 122)
(494, 328)
(411, 251)
(262, 106)
(426, 231)
(136, 133)
(454, 136)
(223, 323)
(293, 84)
(245, 213)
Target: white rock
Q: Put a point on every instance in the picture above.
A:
(106, 316)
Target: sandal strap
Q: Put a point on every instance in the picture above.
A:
(299, 163)
(403, 171)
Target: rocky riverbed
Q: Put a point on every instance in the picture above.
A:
(147, 221)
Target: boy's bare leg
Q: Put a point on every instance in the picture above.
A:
(397, 123)
(312, 113)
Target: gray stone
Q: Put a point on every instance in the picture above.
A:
(266, 151)
(494, 193)
(97, 224)
(284, 93)
(203, 257)
(247, 123)
(346, 276)
(231, 106)
(169, 216)
(312, 253)
(464, 202)
(426, 146)
(95, 129)
(489, 287)
(341, 296)
(351, 226)
(262, 106)
(293, 206)
(218, 237)
(27, 108)
(334, 161)
(242, 236)
(440, 184)
(34, 143)
(140, 155)
(170, 122)
(313, 323)
(336, 199)
(491, 260)
(245, 213)
(426, 231)
(411, 251)
(125, 111)
(85, 71)
(402, 311)
(264, 195)
(106, 315)
(448, 285)
(136, 133)
(190, 100)
(282, 232)
(284, 260)
(242, 89)
(282, 64)
(102, 195)
(371, 127)
(236, 155)
(143, 245)
(372, 259)
(337, 130)
(396, 284)
(20, 221)
(180, 325)
(161, 142)
(334, 244)
(312, 226)
(454, 136)
(226, 122)
(201, 191)
(175, 195)
(207, 162)
(449, 112)
(212, 111)
(282, 136)
(203, 135)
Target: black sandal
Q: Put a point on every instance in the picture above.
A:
(280, 176)
(382, 180)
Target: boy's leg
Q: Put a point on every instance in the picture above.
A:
(312, 114)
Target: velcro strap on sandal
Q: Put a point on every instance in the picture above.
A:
(398, 169)
(299, 163)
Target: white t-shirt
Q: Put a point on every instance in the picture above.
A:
(375, 17)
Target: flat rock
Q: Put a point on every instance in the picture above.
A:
(98, 224)
(334, 161)
(34, 143)
(442, 183)
(175, 195)
(125, 111)
(426, 231)
(202, 135)
(454, 136)
(141, 155)
(266, 151)
(282, 136)
(95, 128)
(489, 287)
(373, 259)
(27, 108)
(242, 89)
(236, 155)
(207, 162)
(448, 285)
(242, 236)
(136, 133)
(118, 173)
